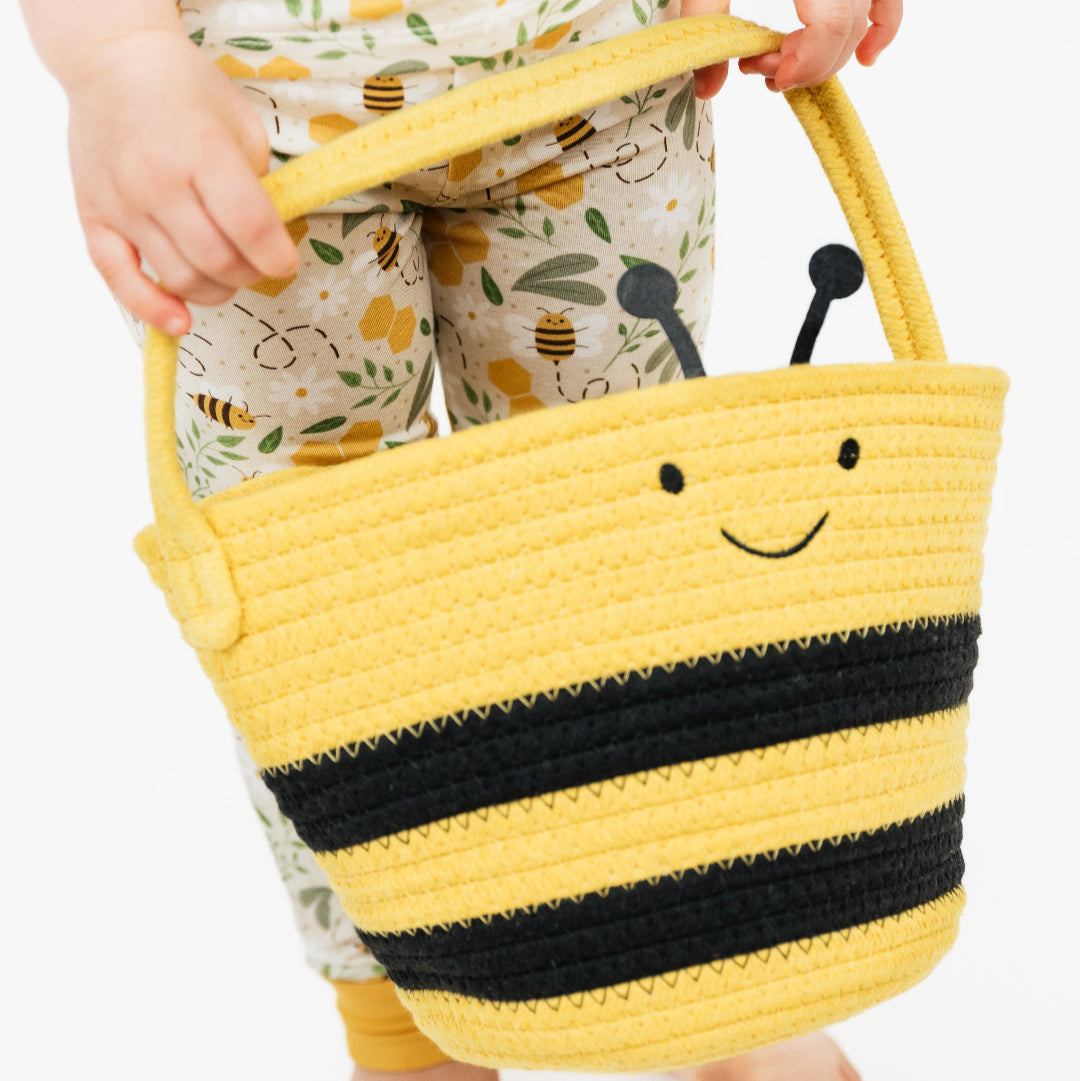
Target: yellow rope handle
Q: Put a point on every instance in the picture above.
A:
(486, 111)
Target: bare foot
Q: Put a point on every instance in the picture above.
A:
(442, 1071)
(808, 1058)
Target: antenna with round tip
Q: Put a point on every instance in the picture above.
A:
(836, 272)
(648, 291)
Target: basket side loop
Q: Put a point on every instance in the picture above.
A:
(189, 557)
(197, 579)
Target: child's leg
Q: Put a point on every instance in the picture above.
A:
(380, 1031)
(526, 254)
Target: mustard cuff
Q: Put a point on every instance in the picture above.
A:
(380, 1031)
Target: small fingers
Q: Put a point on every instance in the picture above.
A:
(117, 261)
(885, 16)
(201, 242)
(708, 81)
(807, 55)
(765, 64)
(177, 274)
(241, 209)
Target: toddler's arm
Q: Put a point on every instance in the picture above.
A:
(165, 157)
(833, 31)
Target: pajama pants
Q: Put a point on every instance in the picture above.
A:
(499, 267)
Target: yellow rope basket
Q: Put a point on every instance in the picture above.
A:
(630, 735)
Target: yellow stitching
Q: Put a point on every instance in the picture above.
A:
(402, 836)
(823, 940)
(573, 690)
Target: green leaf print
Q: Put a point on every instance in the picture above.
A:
(425, 329)
(198, 35)
(639, 14)
(327, 425)
(471, 394)
(234, 457)
(351, 379)
(403, 67)
(259, 45)
(388, 373)
(195, 429)
(659, 355)
(548, 227)
(597, 223)
(551, 279)
(419, 26)
(369, 367)
(522, 34)
(631, 260)
(670, 370)
(316, 10)
(317, 898)
(487, 403)
(350, 221)
(677, 106)
(270, 443)
(393, 397)
(365, 401)
(327, 252)
(514, 234)
(333, 54)
(335, 26)
(423, 389)
(571, 291)
(410, 206)
(293, 8)
(491, 290)
(684, 247)
(230, 440)
(559, 266)
(216, 461)
(689, 123)
(465, 61)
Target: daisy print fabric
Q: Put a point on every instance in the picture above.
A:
(499, 266)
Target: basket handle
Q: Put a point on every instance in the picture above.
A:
(196, 572)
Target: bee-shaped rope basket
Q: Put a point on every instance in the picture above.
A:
(630, 735)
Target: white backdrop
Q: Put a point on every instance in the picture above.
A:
(145, 931)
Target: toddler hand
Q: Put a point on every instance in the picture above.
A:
(833, 31)
(165, 158)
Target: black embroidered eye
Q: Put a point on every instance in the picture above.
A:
(671, 478)
(849, 454)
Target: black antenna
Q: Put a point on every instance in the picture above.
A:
(648, 291)
(836, 272)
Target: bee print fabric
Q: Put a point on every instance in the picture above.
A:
(499, 266)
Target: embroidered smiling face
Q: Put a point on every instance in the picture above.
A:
(648, 291)
(672, 480)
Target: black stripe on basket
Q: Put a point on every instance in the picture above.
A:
(698, 710)
(634, 933)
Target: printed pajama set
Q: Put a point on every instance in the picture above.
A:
(499, 266)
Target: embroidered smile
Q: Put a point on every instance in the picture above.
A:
(777, 555)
